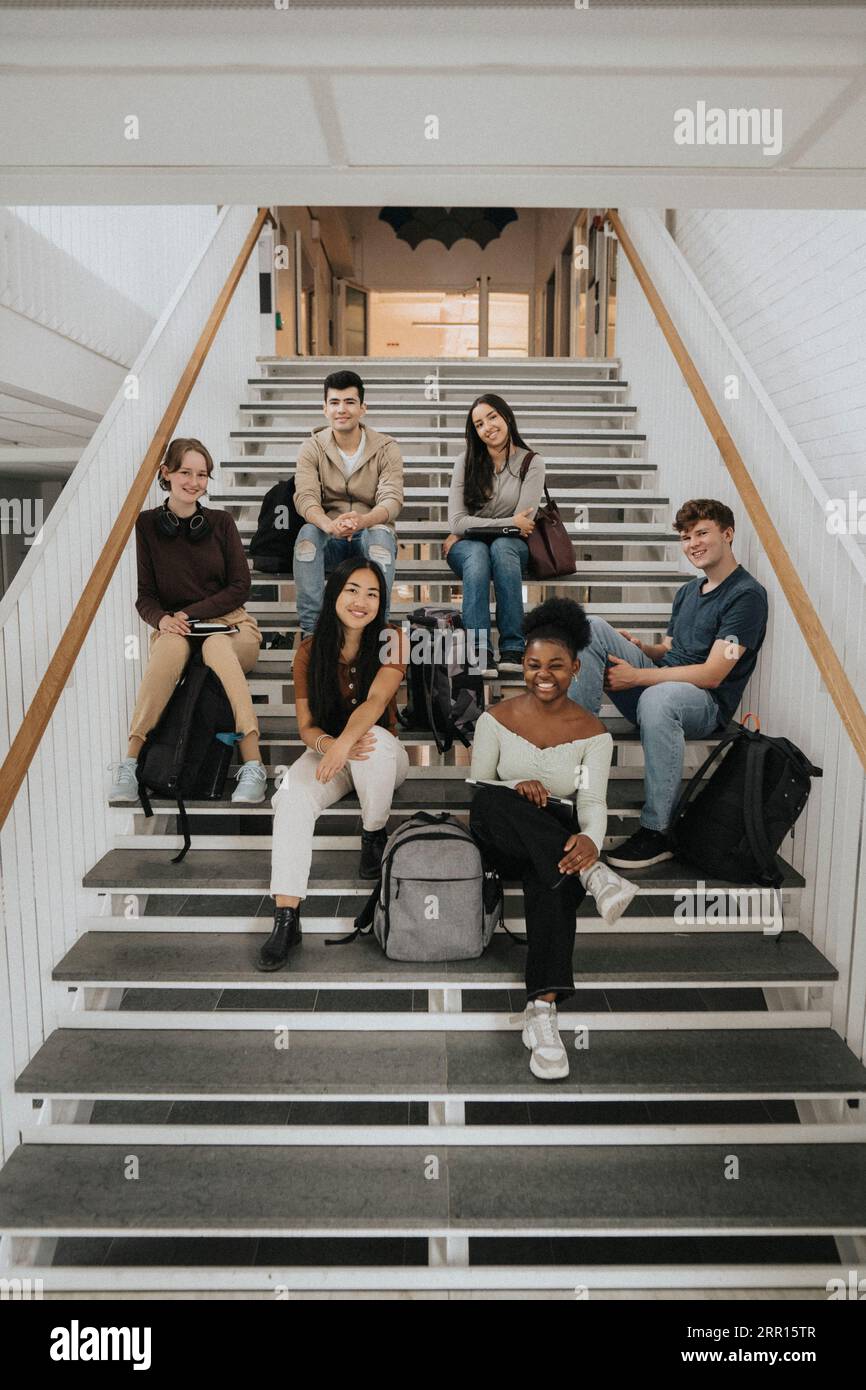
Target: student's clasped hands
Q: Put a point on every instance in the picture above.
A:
(346, 524)
(340, 752)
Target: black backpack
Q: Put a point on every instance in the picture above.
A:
(731, 826)
(445, 699)
(189, 751)
(273, 545)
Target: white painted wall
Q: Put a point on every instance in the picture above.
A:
(791, 287)
(81, 288)
(141, 252)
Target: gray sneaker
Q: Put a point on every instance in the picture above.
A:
(252, 784)
(549, 1060)
(612, 893)
(124, 786)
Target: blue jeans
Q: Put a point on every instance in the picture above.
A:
(666, 714)
(504, 561)
(316, 553)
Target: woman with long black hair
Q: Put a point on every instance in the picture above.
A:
(491, 488)
(346, 680)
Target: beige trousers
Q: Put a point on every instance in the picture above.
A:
(230, 656)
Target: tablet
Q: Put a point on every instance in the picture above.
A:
(206, 627)
(484, 782)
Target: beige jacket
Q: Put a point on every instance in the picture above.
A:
(320, 478)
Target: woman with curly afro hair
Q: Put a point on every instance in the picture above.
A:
(540, 814)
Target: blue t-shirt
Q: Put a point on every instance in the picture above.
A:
(735, 611)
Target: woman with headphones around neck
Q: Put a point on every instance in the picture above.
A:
(192, 564)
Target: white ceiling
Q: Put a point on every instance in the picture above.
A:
(537, 106)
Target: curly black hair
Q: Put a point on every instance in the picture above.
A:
(558, 620)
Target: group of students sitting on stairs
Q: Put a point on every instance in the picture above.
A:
(529, 752)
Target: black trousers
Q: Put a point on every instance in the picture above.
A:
(525, 842)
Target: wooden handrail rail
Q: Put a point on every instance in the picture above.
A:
(839, 687)
(41, 708)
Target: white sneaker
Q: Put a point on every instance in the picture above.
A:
(612, 893)
(252, 782)
(124, 784)
(549, 1060)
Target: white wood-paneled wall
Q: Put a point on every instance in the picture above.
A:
(786, 690)
(791, 286)
(60, 823)
(100, 275)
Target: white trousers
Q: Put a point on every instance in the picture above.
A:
(301, 799)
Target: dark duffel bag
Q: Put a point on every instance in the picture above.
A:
(272, 547)
(189, 752)
(731, 826)
(445, 696)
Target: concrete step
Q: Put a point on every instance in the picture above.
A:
(307, 414)
(432, 436)
(541, 370)
(127, 958)
(425, 789)
(605, 573)
(607, 1190)
(333, 914)
(442, 388)
(179, 1064)
(591, 498)
(421, 466)
(141, 870)
(282, 614)
(283, 728)
(642, 534)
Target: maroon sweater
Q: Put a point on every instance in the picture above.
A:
(204, 578)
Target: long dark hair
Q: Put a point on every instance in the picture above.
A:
(323, 690)
(478, 474)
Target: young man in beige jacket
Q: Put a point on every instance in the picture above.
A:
(349, 490)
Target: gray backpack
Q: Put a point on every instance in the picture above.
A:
(436, 900)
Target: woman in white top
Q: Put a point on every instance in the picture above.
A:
(490, 487)
(534, 747)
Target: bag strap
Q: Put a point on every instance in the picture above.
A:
(363, 922)
(184, 830)
(443, 742)
(524, 469)
(143, 795)
(693, 785)
(756, 832)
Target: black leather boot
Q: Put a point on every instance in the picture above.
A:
(372, 845)
(286, 933)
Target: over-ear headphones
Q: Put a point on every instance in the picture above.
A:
(169, 525)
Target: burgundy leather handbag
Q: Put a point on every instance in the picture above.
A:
(551, 553)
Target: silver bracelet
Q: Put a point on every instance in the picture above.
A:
(318, 747)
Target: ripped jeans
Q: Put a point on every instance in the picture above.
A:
(316, 553)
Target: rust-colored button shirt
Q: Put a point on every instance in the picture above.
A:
(347, 676)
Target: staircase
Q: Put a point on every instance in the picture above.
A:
(358, 1124)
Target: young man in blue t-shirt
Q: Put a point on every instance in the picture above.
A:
(689, 684)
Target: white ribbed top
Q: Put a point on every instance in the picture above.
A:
(499, 755)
